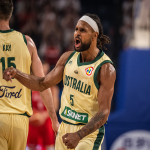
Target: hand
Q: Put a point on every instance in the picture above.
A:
(9, 73)
(55, 127)
(71, 140)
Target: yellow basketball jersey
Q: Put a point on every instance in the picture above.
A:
(14, 97)
(79, 100)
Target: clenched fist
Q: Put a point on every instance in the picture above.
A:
(9, 73)
(71, 140)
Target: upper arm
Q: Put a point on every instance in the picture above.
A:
(36, 66)
(56, 75)
(107, 78)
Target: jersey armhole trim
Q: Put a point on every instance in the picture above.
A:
(25, 40)
(96, 72)
(70, 57)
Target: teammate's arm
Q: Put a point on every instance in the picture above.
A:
(107, 79)
(37, 69)
(39, 83)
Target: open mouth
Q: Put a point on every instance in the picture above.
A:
(77, 42)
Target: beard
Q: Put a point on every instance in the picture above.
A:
(83, 47)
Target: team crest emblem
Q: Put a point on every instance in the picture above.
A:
(89, 70)
(70, 62)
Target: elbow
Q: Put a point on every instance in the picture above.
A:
(41, 90)
(41, 85)
(105, 113)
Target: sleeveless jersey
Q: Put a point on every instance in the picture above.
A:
(14, 97)
(79, 100)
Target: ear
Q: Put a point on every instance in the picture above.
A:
(95, 35)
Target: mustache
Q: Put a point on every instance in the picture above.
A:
(78, 38)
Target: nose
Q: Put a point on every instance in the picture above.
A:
(77, 33)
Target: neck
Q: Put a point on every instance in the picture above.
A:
(90, 54)
(4, 25)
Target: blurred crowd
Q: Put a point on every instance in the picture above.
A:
(50, 23)
(135, 29)
(127, 24)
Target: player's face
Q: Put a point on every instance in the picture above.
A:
(82, 36)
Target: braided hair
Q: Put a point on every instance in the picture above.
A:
(6, 9)
(102, 39)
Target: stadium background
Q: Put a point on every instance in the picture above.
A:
(51, 23)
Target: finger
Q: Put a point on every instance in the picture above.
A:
(65, 140)
(68, 144)
(70, 147)
(8, 72)
(64, 136)
(10, 77)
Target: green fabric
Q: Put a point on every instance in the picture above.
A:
(25, 40)
(6, 31)
(99, 138)
(67, 113)
(88, 63)
(25, 114)
(96, 72)
(70, 57)
(73, 123)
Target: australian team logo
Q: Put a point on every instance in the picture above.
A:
(89, 70)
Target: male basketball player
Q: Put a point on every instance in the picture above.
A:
(18, 51)
(88, 76)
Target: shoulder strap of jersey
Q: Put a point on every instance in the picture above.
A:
(70, 57)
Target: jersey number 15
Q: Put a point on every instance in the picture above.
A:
(9, 62)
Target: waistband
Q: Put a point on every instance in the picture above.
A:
(73, 123)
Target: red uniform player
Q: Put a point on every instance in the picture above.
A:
(41, 133)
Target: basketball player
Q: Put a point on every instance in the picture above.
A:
(88, 76)
(18, 51)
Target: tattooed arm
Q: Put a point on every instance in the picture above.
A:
(106, 90)
(106, 77)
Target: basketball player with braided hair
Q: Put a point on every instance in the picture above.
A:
(88, 76)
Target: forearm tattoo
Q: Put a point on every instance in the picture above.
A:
(96, 122)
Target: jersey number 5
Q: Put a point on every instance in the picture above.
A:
(71, 99)
(9, 62)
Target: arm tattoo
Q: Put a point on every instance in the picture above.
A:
(96, 122)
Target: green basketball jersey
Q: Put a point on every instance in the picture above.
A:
(79, 100)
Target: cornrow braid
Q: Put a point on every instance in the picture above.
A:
(102, 39)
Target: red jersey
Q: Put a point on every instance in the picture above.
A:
(37, 102)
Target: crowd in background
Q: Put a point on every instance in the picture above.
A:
(51, 24)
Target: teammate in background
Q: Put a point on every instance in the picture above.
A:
(41, 134)
(89, 77)
(18, 51)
